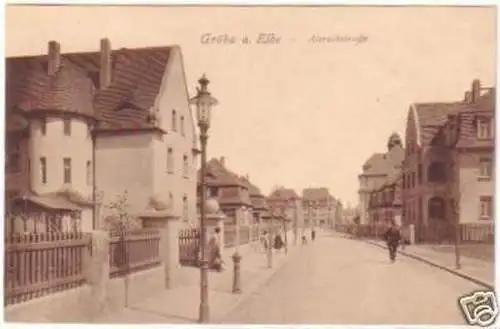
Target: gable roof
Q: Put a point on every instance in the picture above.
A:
(136, 77)
(469, 113)
(218, 175)
(282, 194)
(430, 117)
(316, 194)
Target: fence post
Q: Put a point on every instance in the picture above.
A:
(169, 227)
(411, 229)
(96, 272)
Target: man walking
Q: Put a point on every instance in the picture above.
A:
(392, 237)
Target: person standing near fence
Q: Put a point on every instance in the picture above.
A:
(214, 246)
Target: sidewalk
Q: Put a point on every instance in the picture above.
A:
(180, 305)
(479, 271)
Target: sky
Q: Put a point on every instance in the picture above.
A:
(295, 113)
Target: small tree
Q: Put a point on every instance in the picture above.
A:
(119, 218)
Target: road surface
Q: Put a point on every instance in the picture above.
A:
(340, 281)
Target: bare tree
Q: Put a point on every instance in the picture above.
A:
(119, 217)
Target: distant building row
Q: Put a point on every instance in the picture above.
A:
(445, 170)
(239, 198)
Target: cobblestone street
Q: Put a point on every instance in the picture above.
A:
(342, 281)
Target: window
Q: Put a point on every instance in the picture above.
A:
(486, 211)
(67, 170)
(28, 165)
(89, 172)
(419, 174)
(67, 126)
(436, 172)
(484, 130)
(43, 126)
(485, 168)
(13, 155)
(43, 170)
(174, 120)
(185, 167)
(213, 192)
(170, 160)
(185, 209)
(436, 208)
(183, 132)
(14, 162)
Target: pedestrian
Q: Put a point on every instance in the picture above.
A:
(392, 237)
(264, 241)
(313, 235)
(278, 242)
(304, 239)
(214, 247)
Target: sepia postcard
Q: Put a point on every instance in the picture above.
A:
(250, 165)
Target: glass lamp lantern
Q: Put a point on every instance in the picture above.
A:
(203, 102)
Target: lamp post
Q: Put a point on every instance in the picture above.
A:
(203, 102)
(285, 228)
(270, 241)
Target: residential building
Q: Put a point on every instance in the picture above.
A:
(260, 208)
(84, 129)
(350, 215)
(385, 201)
(231, 192)
(289, 202)
(448, 171)
(376, 171)
(319, 206)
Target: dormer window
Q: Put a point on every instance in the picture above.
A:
(174, 120)
(67, 126)
(484, 128)
(43, 126)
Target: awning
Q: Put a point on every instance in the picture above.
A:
(51, 202)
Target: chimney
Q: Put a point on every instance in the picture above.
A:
(468, 97)
(222, 161)
(54, 58)
(105, 67)
(476, 90)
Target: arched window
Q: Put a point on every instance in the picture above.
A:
(436, 172)
(174, 120)
(185, 209)
(436, 208)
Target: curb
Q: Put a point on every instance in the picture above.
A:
(247, 293)
(435, 264)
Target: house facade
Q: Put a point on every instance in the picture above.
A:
(231, 192)
(385, 202)
(288, 202)
(379, 170)
(448, 172)
(319, 206)
(260, 208)
(86, 129)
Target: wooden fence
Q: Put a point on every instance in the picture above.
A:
(435, 233)
(189, 245)
(248, 233)
(132, 251)
(41, 264)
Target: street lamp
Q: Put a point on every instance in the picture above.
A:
(203, 102)
(295, 221)
(270, 240)
(285, 228)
